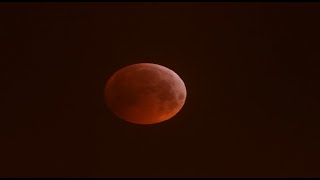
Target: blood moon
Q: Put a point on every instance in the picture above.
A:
(145, 93)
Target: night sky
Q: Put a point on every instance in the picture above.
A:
(251, 72)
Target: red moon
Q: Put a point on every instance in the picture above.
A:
(145, 93)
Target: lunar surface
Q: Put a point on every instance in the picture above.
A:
(145, 93)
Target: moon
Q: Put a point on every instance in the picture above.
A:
(145, 93)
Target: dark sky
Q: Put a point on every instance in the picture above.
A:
(251, 72)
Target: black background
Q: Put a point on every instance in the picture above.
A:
(251, 72)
